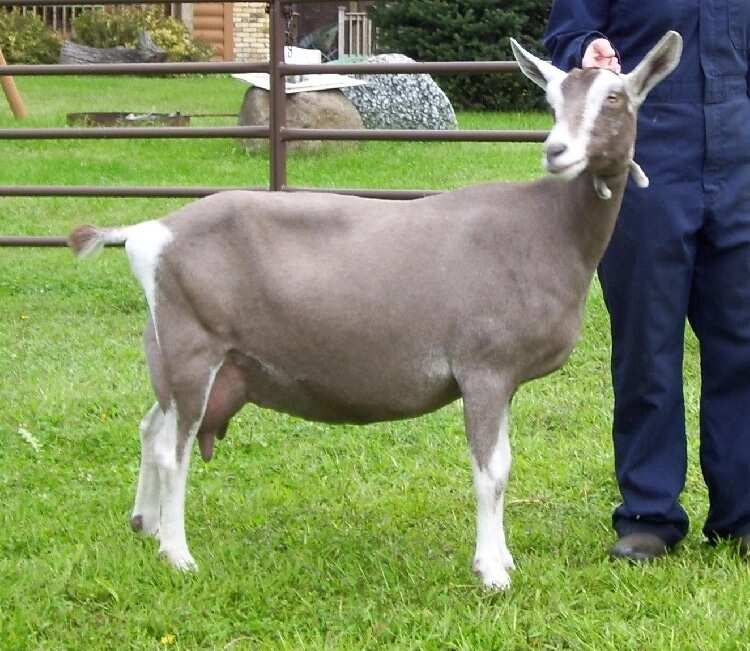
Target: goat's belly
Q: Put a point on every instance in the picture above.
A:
(340, 396)
(548, 360)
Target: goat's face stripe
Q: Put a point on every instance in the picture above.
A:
(578, 102)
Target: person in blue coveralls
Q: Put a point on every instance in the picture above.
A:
(681, 249)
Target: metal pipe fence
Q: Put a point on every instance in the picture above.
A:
(278, 134)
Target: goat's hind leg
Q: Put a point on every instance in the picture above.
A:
(160, 500)
(193, 381)
(173, 446)
(486, 411)
(146, 510)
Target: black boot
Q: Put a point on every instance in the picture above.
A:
(639, 547)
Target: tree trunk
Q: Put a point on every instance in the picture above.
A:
(146, 52)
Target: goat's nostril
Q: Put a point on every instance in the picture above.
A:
(556, 149)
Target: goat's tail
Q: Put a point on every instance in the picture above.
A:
(87, 241)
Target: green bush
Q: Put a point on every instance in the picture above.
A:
(174, 37)
(467, 30)
(121, 28)
(24, 38)
(108, 29)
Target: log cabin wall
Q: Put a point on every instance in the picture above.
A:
(213, 23)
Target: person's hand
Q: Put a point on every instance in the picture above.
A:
(601, 54)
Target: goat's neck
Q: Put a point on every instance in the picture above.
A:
(590, 220)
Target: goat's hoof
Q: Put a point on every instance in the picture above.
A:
(145, 525)
(180, 559)
(493, 574)
(507, 560)
(498, 582)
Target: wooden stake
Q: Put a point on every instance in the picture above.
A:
(11, 92)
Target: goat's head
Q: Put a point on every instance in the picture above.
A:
(595, 111)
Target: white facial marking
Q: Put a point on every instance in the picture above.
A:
(575, 159)
(492, 559)
(554, 94)
(146, 242)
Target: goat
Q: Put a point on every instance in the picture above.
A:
(345, 309)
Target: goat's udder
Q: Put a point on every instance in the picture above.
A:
(225, 399)
(207, 440)
(206, 445)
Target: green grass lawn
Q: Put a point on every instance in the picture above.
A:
(308, 536)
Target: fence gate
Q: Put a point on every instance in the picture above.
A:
(277, 132)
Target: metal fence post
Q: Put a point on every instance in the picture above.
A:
(277, 97)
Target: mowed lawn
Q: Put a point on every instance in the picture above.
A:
(307, 536)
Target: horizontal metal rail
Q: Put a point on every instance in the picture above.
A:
(370, 194)
(24, 241)
(59, 69)
(142, 192)
(426, 67)
(429, 67)
(197, 192)
(461, 135)
(133, 132)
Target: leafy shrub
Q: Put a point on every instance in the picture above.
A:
(108, 29)
(121, 28)
(174, 37)
(467, 30)
(24, 38)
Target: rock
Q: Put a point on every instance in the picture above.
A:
(401, 101)
(323, 109)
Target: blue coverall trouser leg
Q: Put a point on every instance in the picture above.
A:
(682, 249)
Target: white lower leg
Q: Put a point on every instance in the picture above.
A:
(492, 559)
(172, 485)
(145, 516)
(505, 554)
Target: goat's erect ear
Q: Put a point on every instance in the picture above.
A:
(657, 64)
(540, 72)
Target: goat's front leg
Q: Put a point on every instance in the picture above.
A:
(486, 412)
(145, 517)
(173, 462)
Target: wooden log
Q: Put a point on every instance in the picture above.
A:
(146, 52)
(211, 22)
(11, 92)
(205, 9)
(212, 36)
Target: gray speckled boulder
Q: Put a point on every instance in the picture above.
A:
(401, 101)
(322, 109)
